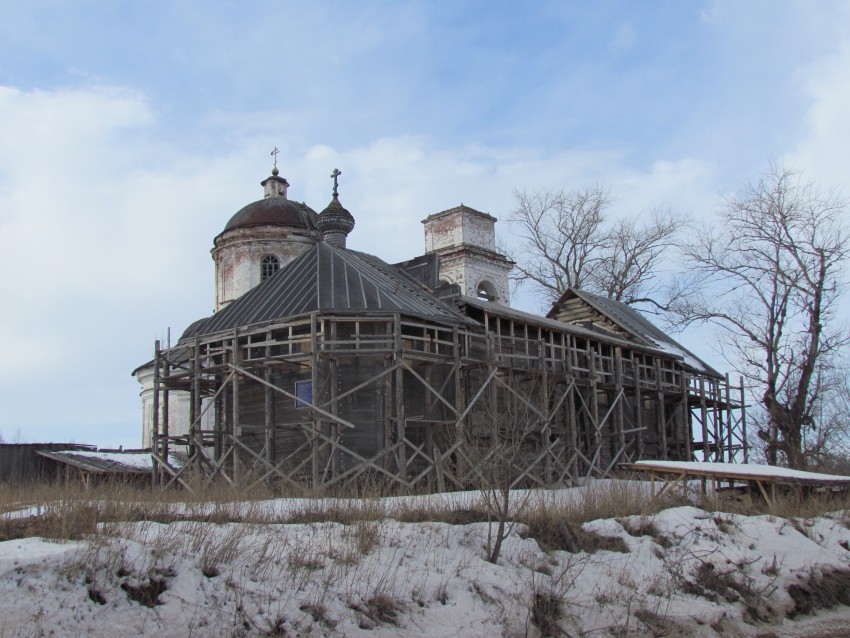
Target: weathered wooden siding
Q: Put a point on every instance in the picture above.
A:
(19, 461)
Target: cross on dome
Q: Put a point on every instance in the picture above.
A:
(335, 175)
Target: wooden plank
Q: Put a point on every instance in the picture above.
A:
(401, 455)
(236, 433)
(314, 380)
(704, 415)
(155, 441)
(660, 419)
(195, 402)
(744, 422)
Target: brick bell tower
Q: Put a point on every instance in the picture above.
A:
(465, 241)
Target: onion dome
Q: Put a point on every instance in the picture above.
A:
(335, 222)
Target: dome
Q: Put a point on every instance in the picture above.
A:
(335, 222)
(274, 211)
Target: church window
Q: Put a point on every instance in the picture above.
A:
(269, 265)
(486, 291)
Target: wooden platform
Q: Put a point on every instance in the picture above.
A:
(673, 473)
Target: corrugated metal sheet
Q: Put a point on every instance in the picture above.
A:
(328, 279)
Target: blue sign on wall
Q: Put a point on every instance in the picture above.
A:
(304, 394)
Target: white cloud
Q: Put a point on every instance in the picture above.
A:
(106, 236)
(823, 152)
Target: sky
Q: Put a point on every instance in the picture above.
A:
(131, 132)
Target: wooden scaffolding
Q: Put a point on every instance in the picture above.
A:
(322, 401)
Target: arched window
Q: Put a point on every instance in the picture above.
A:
(269, 265)
(486, 291)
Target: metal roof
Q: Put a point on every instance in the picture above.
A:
(552, 324)
(640, 327)
(329, 279)
(274, 211)
(104, 462)
(192, 329)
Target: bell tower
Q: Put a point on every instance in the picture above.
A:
(465, 241)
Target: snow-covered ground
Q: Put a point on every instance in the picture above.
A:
(681, 572)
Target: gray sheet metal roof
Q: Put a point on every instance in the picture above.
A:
(104, 462)
(636, 324)
(193, 328)
(329, 279)
(553, 324)
(177, 355)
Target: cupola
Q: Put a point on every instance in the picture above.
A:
(275, 186)
(335, 222)
(260, 239)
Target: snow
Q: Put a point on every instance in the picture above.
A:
(389, 578)
(141, 460)
(688, 358)
(743, 469)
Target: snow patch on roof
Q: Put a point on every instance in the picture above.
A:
(743, 469)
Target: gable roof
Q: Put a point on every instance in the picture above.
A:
(464, 301)
(636, 326)
(330, 279)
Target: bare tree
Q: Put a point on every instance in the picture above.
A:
(826, 445)
(769, 277)
(502, 446)
(566, 241)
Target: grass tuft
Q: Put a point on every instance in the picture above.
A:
(147, 594)
(823, 590)
(558, 526)
(546, 613)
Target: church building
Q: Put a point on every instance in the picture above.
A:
(323, 366)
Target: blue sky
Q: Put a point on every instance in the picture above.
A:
(131, 132)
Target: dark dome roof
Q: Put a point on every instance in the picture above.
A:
(274, 211)
(335, 218)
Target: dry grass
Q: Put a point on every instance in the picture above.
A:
(71, 513)
(58, 522)
(559, 526)
(785, 503)
(379, 609)
(823, 590)
(546, 613)
(15, 496)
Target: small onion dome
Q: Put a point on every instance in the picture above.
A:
(335, 223)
